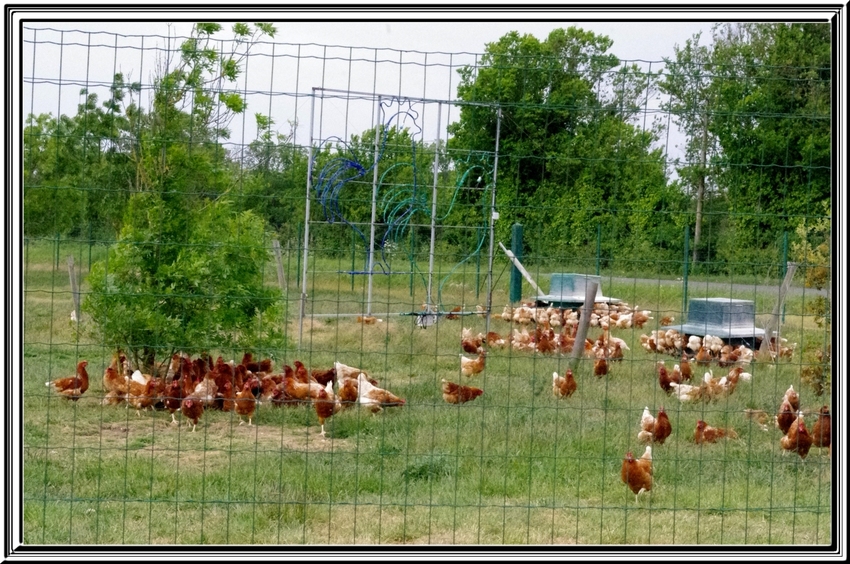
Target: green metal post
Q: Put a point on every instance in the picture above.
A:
(685, 271)
(516, 276)
(352, 260)
(598, 247)
(298, 265)
(478, 270)
(90, 244)
(783, 268)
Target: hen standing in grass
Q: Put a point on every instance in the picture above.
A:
(822, 431)
(173, 398)
(471, 343)
(326, 404)
(246, 402)
(192, 408)
(564, 386)
(637, 473)
(798, 438)
(703, 356)
(685, 368)
(470, 366)
(665, 379)
(654, 429)
(600, 367)
(785, 417)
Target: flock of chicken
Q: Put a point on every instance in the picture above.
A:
(637, 474)
(709, 348)
(193, 386)
(604, 315)
(693, 350)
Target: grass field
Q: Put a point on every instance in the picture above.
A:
(516, 466)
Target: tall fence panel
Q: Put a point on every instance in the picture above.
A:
(267, 297)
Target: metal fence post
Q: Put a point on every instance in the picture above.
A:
(516, 276)
(783, 267)
(685, 272)
(598, 247)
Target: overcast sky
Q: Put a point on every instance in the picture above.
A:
(79, 60)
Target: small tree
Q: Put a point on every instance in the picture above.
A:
(187, 270)
(813, 254)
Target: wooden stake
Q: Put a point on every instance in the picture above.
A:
(583, 322)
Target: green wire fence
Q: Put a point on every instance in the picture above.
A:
(177, 234)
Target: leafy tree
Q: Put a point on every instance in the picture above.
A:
(274, 178)
(813, 253)
(187, 269)
(52, 203)
(772, 85)
(688, 83)
(569, 155)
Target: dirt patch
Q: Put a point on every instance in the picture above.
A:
(160, 437)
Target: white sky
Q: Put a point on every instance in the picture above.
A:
(89, 59)
(398, 54)
(646, 40)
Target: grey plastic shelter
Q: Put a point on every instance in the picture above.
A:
(567, 290)
(727, 318)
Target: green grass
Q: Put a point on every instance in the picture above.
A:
(516, 466)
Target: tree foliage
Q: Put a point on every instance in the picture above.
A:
(567, 142)
(577, 150)
(187, 269)
(772, 84)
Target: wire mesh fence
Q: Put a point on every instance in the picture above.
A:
(238, 333)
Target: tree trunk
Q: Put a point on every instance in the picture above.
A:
(700, 188)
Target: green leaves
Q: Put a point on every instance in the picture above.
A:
(266, 28)
(233, 101)
(565, 138)
(183, 282)
(187, 269)
(207, 28)
(229, 69)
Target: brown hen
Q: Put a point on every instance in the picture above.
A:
(637, 473)
(564, 386)
(72, 387)
(456, 393)
(705, 433)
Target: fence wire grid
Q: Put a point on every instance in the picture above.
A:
(288, 294)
